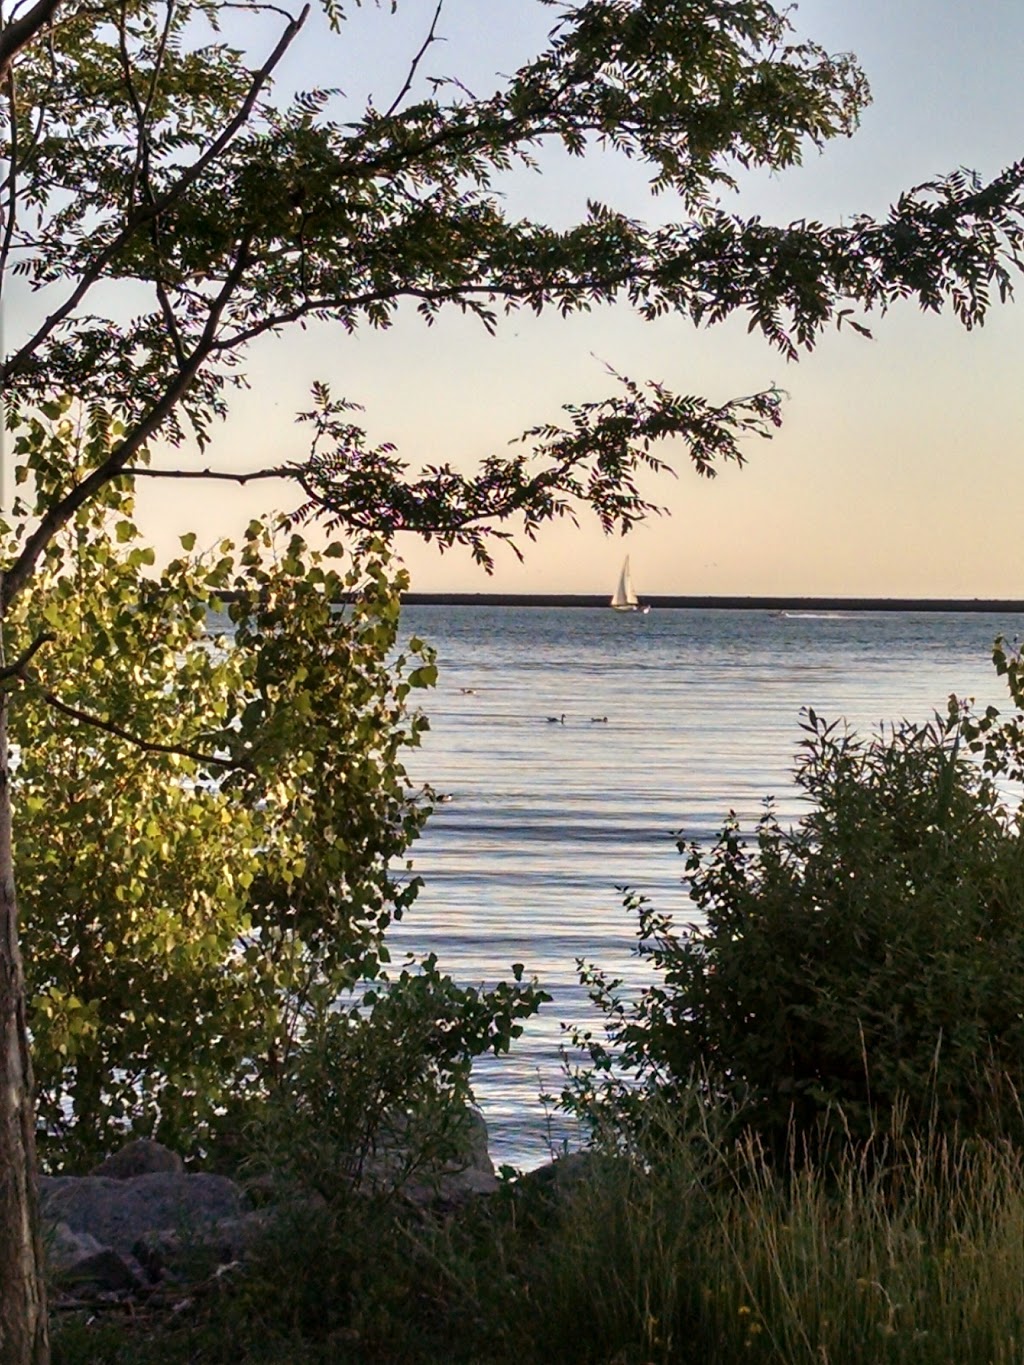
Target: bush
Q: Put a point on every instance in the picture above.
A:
(868, 960)
(213, 836)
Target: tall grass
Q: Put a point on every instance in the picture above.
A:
(908, 1251)
(902, 1250)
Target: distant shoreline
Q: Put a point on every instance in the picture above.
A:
(656, 602)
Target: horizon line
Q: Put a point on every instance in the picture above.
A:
(724, 601)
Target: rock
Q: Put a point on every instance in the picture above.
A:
(79, 1262)
(468, 1173)
(225, 1241)
(64, 1247)
(119, 1212)
(105, 1272)
(141, 1157)
(560, 1177)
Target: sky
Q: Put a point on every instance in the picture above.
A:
(898, 471)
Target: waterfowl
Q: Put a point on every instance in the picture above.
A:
(557, 720)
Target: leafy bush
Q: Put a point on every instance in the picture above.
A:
(378, 1091)
(868, 960)
(212, 837)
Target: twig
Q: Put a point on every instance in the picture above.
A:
(11, 182)
(144, 472)
(411, 76)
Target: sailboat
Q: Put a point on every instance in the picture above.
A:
(624, 597)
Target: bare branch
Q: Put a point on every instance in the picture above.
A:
(17, 669)
(414, 66)
(485, 290)
(11, 180)
(147, 746)
(144, 472)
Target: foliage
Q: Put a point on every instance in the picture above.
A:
(200, 206)
(210, 824)
(377, 1092)
(866, 963)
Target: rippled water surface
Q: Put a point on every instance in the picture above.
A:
(547, 818)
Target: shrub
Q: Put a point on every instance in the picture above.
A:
(867, 959)
(213, 836)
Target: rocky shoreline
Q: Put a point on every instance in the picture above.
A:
(136, 1222)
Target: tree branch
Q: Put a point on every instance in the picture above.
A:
(11, 181)
(411, 76)
(17, 669)
(20, 32)
(147, 212)
(144, 472)
(147, 746)
(61, 512)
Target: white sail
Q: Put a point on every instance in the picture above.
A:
(624, 598)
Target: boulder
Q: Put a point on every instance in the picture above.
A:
(225, 1241)
(80, 1263)
(469, 1172)
(141, 1157)
(559, 1178)
(119, 1212)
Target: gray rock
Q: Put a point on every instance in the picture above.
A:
(562, 1176)
(120, 1212)
(105, 1272)
(468, 1173)
(79, 1262)
(141, 1157)
(65, 1247)
(226, 1240)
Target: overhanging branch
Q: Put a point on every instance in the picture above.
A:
(137, 741)
(148, 212)
(20, 32)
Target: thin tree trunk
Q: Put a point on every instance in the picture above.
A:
(24, 1336)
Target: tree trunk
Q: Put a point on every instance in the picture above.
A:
(24, 1336)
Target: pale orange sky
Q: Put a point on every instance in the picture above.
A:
(898, 471)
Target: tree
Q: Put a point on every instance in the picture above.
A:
(149, 172)
(222, 822)
(199, 863)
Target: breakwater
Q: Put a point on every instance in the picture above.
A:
(727, 603)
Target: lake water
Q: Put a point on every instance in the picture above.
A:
(547, 818)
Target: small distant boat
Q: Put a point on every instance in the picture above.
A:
(624, 597)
